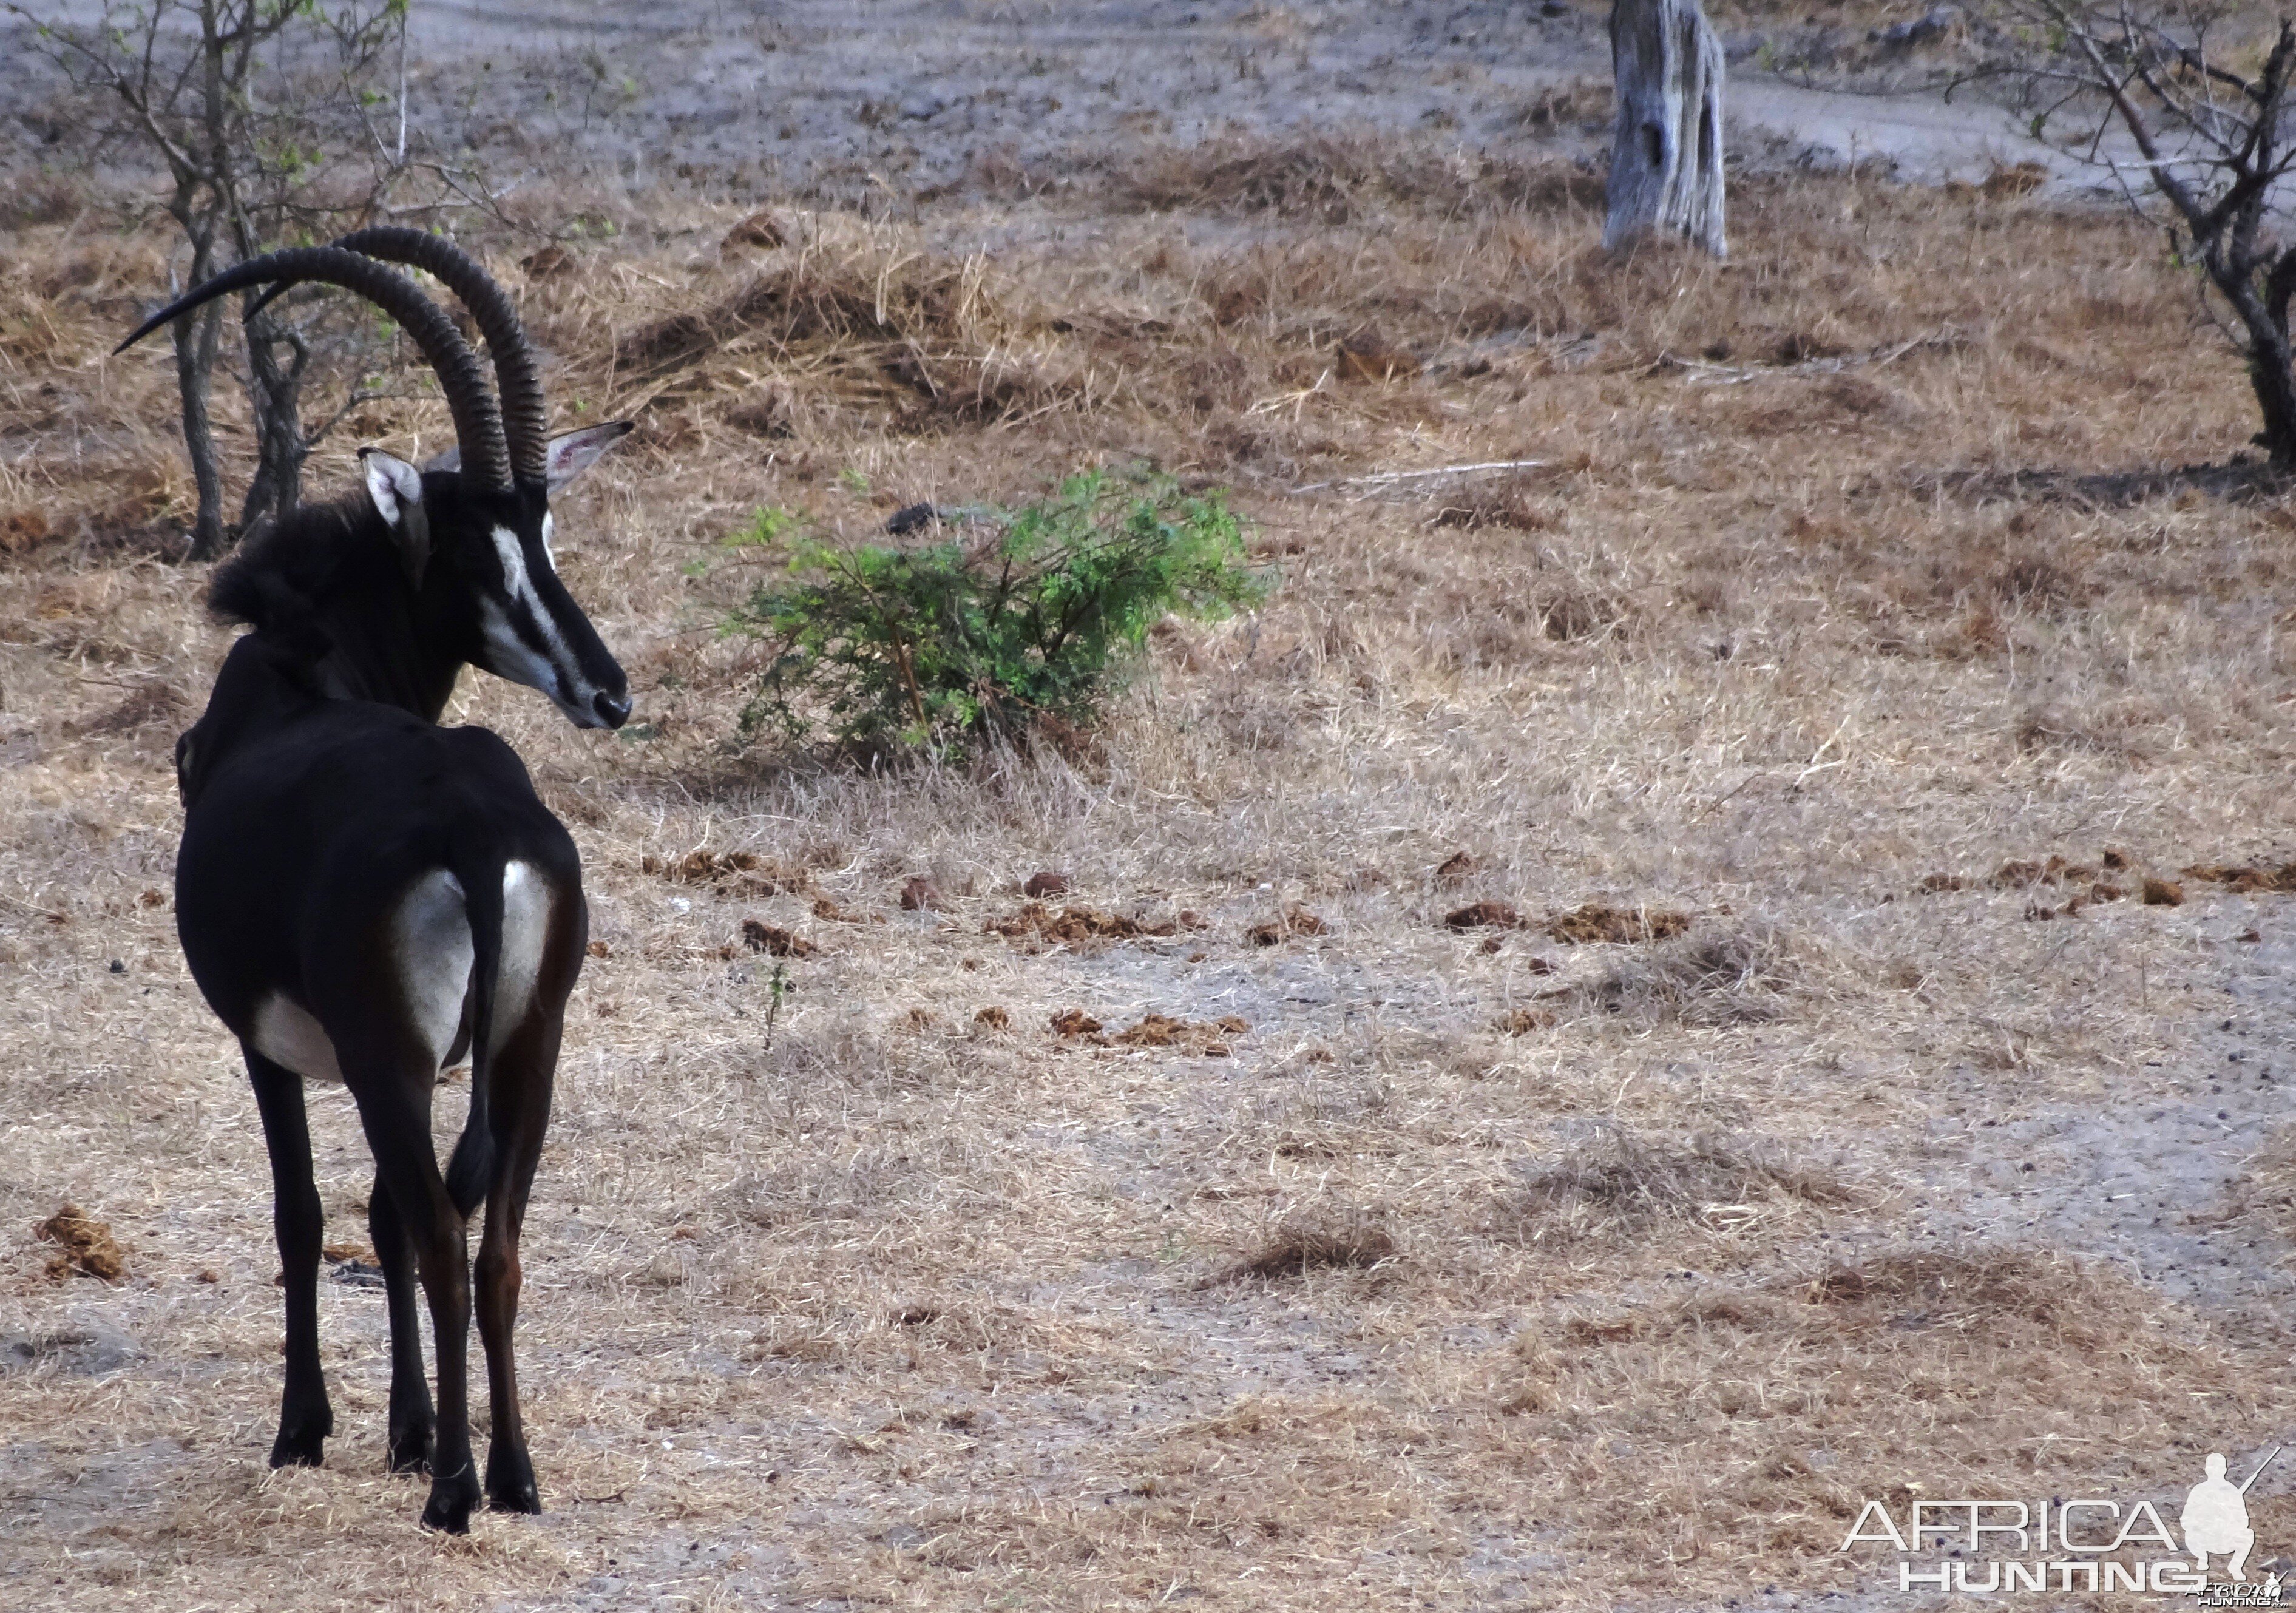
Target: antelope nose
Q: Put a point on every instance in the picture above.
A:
(613, 709)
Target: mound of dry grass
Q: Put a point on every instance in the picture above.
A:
(1712, 977)
(1625, 1185)
(1307, 1242)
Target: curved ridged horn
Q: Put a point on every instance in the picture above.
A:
(525, 419)
(477, 425)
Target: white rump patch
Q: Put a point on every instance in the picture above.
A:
(432, 939)
(286, 1034)
(431, 945)
(526, 926)
(431, 942)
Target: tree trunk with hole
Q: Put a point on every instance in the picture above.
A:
(280, 448)
(1665, 162)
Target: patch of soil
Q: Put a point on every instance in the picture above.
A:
(919, 895)
(1599, 922)
(85, 1246)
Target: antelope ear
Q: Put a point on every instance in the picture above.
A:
(395, 487)
(572, 453)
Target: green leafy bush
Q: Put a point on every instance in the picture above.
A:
(996, 636)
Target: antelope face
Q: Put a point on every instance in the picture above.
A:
(484, 558)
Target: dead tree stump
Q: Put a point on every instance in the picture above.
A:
(1666, 163)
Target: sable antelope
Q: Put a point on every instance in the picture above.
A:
(364, 895)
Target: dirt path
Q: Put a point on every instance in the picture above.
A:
(848, 99)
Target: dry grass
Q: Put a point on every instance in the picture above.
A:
(1862, 559)
(1621, 1185)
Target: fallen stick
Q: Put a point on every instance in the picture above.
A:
(1387, 479)
(1732, 375)
(48, 913)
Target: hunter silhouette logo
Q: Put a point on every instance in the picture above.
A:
(2088, 1544)
(2215, 1517)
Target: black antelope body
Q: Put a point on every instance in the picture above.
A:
(364, 895)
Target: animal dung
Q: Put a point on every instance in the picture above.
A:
(760, 936)
(1599, 922)
(1483, 915)
(2245, 879)
(1161, 1030)
(1367, 356)
(759, 229)
(919, 893)
(1074, 1022)
(993, 1018)
(728, 873)
(85, 1246)
(2163, 893)
(1038, 886)
(548, 263)
(1297, 920)
(1456, 869)
(1072, 924)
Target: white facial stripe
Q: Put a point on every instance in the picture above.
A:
(548, 553)
(552, 667)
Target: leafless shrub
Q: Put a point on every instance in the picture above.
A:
(2206, 103)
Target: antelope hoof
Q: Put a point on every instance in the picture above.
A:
(450, 1504)
(510, 1483)
(302, 1441)
(410, 1449)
